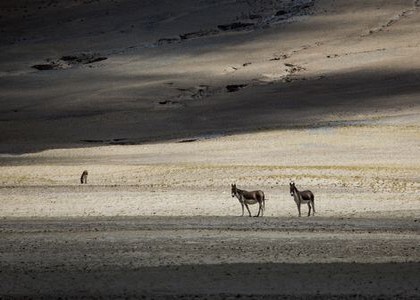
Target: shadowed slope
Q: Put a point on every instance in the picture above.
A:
(128, 75)
(339, 100)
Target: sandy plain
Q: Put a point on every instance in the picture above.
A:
(145, 226)
(166, 106)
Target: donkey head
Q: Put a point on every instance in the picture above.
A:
(233, 190)
(292, 188)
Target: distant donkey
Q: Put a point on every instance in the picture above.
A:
(305, 197)
(246, 198)
(83, 178)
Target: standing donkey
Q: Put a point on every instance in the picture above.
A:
(305, 197)
(246, 198)
(83, 178)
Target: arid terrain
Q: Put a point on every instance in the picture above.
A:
(166, 105)
(211, 257)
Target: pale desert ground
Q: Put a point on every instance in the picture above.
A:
(168, 104)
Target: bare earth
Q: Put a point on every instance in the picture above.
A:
(158, 220)
(211, 257)
(166, 105)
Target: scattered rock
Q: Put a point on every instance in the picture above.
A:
(96, 60)
(166, 41)
(93, 141)
(281, 13)
(198, 34)
(235, 26)
(195, 93)
(45, 67)
(164, 102)
(83, 58)
(202, 91)
(235, 87)
(187, 141)
(121, 143)
(67, 61)
(117, 141)
(283, 56)
(293, 68)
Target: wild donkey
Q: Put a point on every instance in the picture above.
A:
(246, 198)
(302, 197)
(83, 178)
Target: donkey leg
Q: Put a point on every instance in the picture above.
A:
(298, 206)
(242, 209)
(259, 210)
(309, 212)
(313, 207)
(262, 208)
(246, 205)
